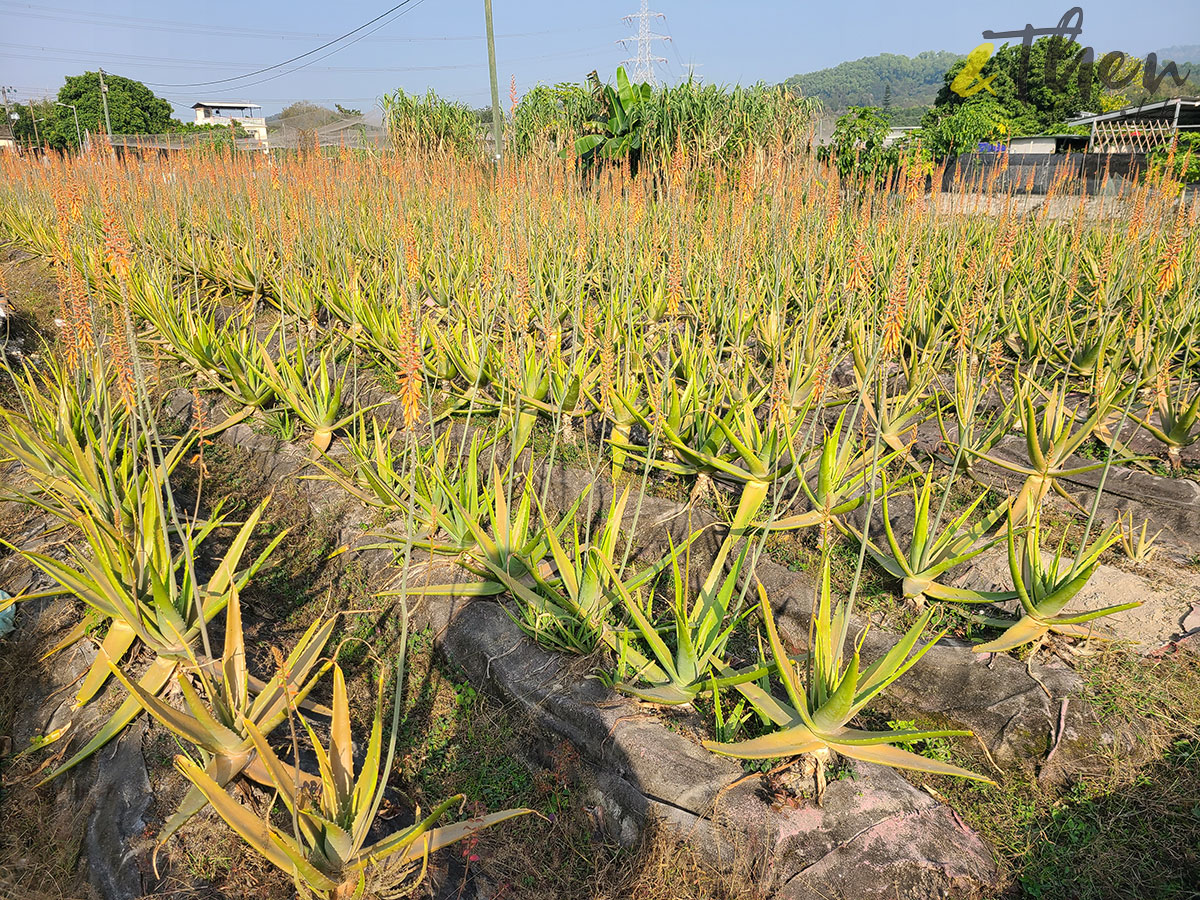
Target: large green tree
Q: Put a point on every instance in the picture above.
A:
(1035, 87)
(132, 109)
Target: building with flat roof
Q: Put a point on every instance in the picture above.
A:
(233, 112)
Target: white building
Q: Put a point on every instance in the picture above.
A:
(230, 112)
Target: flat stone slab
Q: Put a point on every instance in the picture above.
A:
(877, 836)
(1169, 504)
(1156, 622)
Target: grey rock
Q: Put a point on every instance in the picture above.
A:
(242, 435)
(1148, 626)
(875, 836)
(180, 406)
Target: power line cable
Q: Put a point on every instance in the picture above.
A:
(337, 50)
(398, 6)
(138, 60)
(81, 17)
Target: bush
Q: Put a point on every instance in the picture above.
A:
(1186, 165)
(857, 146)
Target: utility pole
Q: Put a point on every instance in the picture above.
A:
(491, 42)
(104, 99)
(37, 140)
(643, 63)
(78, 133)
(8, 114)
(4, 89)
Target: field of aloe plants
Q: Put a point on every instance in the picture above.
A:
(832, 480)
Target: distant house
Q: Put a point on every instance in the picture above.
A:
(7, 141)
(1048, 144)
(233, 112)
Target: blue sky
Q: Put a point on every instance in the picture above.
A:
(439, 43)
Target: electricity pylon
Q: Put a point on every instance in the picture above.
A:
(643, 62)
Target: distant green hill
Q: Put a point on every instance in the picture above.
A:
(914, 81)
(1180, 54)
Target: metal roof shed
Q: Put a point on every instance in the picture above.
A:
(1141, 128)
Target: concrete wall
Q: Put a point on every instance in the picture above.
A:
(1033, 173)
(1039, 144)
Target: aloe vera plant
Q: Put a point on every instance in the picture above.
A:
(929, 555)
(214, 718)
(1045, 588)
(976, 428)
(188, 334)
(575, 601)
(1053, 432)
(242, 356)
(377, 473)
(1178, 408)
(326, 852)
(503, 551)
(149, 595)
(840, 486)
(89, 467)
(311, 393)
(701, 628)
(826, 693)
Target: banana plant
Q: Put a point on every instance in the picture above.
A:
(919, 569)
(823, 700)
(1045, 589)
(326, 852)
(620, 134)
